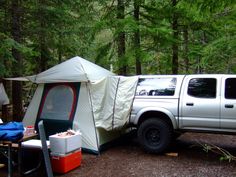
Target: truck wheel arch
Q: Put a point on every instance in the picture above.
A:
(159, 114)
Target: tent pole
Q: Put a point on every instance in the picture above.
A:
(114, 107)
(91, 103)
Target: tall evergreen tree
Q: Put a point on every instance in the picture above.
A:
(16, 26)
(175, 47)
(137, 44)
(121, 39)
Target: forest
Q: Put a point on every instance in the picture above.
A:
(128, 37)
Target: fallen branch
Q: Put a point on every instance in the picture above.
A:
(225, 155)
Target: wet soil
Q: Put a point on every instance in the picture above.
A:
(186, 158)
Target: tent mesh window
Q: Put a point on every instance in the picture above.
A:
(58, 103)
(57, 107)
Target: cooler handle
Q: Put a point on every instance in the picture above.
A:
(55, 157)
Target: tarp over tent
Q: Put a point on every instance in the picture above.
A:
(116, 94)
(101, 100)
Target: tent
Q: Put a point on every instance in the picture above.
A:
(83, 96)
(4, 100)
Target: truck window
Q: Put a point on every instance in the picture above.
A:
(230, 88)
(156, 87)
(202, 87)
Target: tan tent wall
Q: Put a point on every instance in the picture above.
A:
(84, 121)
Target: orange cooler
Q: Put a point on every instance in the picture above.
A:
(65, 163)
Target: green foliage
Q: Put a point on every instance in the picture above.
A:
(6, 46)
(223, 52)
(219, 54)
(53, 31)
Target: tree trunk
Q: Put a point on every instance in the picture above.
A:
(122, 64)
(186, 59)
(137, 38)
(204, 41)
(17, 65)
(60, 48)
(175, 49)
(42, 38)
(6, 6)
(43, 60)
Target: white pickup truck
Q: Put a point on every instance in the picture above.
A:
(166, 105)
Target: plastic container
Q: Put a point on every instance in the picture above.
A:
(65, 163)
(29, 130)
(64, 145)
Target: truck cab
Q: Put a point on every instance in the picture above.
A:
(207, 102)
(166, 104)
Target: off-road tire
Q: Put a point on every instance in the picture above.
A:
(154, 135)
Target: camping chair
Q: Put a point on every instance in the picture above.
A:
(43, 145)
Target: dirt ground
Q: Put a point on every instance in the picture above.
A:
(126, 158)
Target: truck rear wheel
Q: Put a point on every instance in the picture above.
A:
(154, 135)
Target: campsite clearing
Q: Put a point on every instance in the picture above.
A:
(80, 95)
(126, 158)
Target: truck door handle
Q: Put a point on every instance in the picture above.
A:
(189, 104)
(229, 106)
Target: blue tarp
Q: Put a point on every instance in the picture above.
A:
(12, 131)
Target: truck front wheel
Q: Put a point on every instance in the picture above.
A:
(154, 135)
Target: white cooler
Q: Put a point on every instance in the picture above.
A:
(64, 145)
